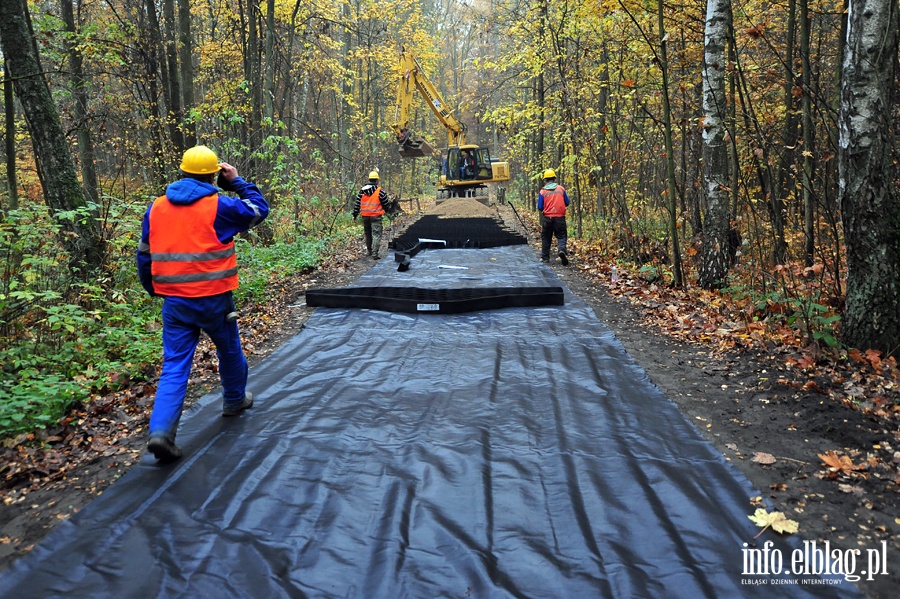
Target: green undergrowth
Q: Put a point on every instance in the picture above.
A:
(64, 343)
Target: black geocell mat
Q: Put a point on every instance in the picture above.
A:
(503, 453)
(437, 301)
(483, 232)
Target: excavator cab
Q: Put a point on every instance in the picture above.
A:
(467, 163)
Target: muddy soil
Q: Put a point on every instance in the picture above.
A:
(733, 399)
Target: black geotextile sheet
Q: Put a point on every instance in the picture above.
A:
(503, 453)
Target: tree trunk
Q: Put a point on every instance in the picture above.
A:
(161, 165)
(714, 252)
(602, 136)
(343, 111)
(670, 158)
(870, 175)
(10, 139)
(783, 174)
(541, 100)
(80, 97)
(172, 79)
(809, 208)
(55, 167)
(187, 72)
(254, 56)
(270, 60)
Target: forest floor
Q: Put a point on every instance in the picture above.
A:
(769, 409)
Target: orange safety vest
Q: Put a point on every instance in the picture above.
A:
(370, 205)
(188, 258)
(554, 202)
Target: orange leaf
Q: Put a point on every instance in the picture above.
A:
(874, 357)
(856, 355)
(835, 461)
(812, 386)
(628, 83)
(756, 31)
(841, 464)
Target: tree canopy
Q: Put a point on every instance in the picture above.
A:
(740, 169)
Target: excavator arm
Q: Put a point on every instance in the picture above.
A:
(413, 78)
(466, 169)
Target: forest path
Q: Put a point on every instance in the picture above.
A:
(517, 452)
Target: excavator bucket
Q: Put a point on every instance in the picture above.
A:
(415, 149)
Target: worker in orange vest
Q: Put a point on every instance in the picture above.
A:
(552, 202)
(371, 203)
(186, 255)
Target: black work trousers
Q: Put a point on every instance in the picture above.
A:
(553, 226)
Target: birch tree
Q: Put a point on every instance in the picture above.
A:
(869, 156)
(714, 252)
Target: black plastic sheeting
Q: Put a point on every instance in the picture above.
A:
(504, 453)
(438, 301)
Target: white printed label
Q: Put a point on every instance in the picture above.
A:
(428, 307)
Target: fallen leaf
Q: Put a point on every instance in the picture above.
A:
(841, 464)
(761, 457)
(776, 520)
(813, 386)
(856, 490)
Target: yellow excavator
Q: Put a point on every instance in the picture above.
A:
(466, 169)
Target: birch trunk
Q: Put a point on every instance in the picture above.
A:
(870, 175)
(714, 252)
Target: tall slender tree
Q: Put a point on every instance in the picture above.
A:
(186, 51)
(809, 208)
(671, 193)
(172, 77)
(10, 110)
(869, 158)
(80, 109)
(55, 166)
(714, 253)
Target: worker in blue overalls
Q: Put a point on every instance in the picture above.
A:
(186, 255)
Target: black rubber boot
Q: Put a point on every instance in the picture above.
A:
(238, 408)
(163, 449)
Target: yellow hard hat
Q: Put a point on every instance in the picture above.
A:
(549, 174)
(374, 175)
(200, 160)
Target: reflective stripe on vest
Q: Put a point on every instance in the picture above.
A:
(554, 202)
(370, 204)
(188, 260)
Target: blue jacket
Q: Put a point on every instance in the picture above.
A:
(233, 215)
